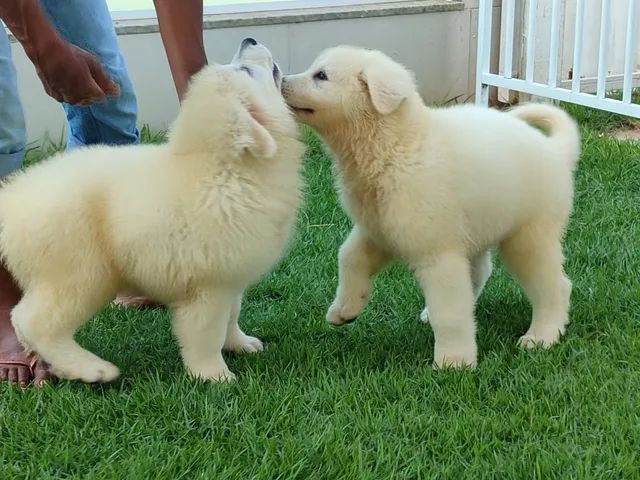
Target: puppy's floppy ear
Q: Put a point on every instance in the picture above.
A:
(387, 84)
(252, 135)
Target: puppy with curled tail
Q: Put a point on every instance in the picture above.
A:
(439, 189)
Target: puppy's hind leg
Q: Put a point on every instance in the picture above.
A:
(237, 340)
(46, 320)
(481, 268)
(534, 256)
(201, 324)
(359, 259)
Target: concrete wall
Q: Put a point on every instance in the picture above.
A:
(436, 39)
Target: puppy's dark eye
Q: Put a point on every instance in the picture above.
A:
(246, 69)
(321, 76)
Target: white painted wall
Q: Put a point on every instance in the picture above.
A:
(438, 47)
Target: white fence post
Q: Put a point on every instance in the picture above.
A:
(573, 90)
(605, 23)
(554, 46)
(629, 50)
(483, 61)
(577, 47)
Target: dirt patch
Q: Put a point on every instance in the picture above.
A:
(629, 133)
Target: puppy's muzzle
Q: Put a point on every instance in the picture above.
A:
(248, 42)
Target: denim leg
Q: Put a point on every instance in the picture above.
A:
(88, 25)
(12, 129)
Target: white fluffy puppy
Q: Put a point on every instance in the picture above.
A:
(438, 188)
(190, 223)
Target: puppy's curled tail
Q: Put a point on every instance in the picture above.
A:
(562, 129)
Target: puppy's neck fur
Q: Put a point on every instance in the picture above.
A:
(368, 145)
(199, 134)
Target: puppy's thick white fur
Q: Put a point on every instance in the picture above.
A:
(190, 223)
(438, 188)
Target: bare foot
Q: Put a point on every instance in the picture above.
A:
(128, 299)
(15, 364)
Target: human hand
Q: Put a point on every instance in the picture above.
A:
(73, 75)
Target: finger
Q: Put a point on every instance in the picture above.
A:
(4, 374)
(13, 375)
(51, 92)
(104, 81)
(86, 103)
(89, 93)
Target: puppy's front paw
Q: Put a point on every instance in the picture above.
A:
(541, 337)
(455, 358)
(215, 374)
(342, 313)
(95, 371)
(225, 375)
(424, 315)
(244, 344)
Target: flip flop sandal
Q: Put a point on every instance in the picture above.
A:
(29, 365)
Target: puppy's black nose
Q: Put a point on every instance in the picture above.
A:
(249, 41)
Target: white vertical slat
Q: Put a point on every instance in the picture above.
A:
(508, 48)
(577, 47)
(630, 51)
(531, 39)
(553, 48)
(485, 10)
(605, 23)
(551, 90)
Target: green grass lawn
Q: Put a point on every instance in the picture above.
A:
(362, 401)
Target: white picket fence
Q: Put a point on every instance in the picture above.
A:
(556, 28)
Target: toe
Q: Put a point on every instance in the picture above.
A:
(256, 344)
(226, 376)
(338, 320)
(41, 374)
(24, 376)
(533, 341)
(13, 375)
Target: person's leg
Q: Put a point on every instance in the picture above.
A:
(12, 129)
(88, 25)
(15, 364)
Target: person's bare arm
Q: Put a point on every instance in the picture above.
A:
(181, 30)
(68, 73)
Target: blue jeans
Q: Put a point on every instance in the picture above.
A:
(86, 24)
